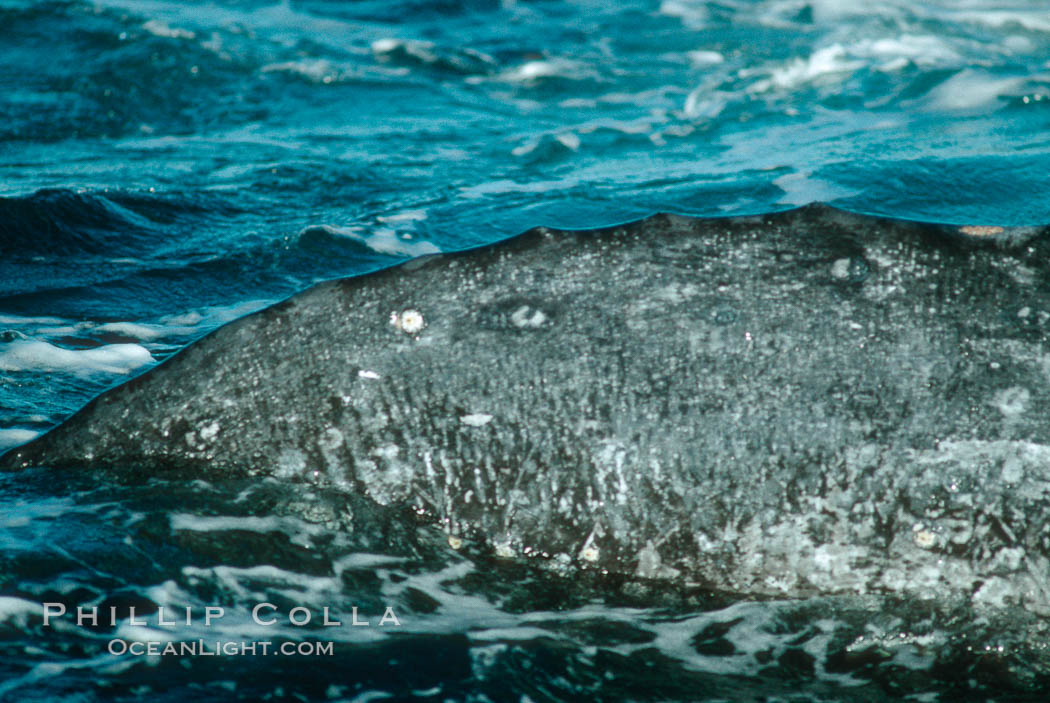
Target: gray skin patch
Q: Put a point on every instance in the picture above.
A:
(723, 314)
(846, 433)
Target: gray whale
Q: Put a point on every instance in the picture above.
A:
(807, 402)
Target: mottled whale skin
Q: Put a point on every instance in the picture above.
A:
(807, 402)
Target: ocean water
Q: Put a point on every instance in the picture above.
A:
(166, 167)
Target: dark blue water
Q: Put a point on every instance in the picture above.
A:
(168, 166)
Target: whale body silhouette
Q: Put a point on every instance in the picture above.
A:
(805, 402)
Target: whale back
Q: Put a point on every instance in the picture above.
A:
(809, 401)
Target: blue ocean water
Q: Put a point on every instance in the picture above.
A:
(169, 166)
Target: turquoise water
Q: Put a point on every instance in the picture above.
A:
(169, 166)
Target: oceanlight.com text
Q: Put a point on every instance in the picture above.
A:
(215, 648)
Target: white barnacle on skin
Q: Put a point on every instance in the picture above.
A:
(387, 451)
(526, 316)
(408, 321)
(923, 537)
(589, 552)
(476, 419)
(209, 432)
(840, 269)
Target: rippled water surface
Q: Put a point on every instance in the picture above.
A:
(169, 166)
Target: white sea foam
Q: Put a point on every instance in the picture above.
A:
(405, 216)
(828, 62)
(383, 240)
(13, 436)
(48, 329)
(640, 126)
(837, 61)
(922, 49)
(44, 327)
(422, 51)
(161, 29)
(42, 511)
(707, 104)
(569, 140)
(16, 608)
(385, 46)
(25, 355)
(389, 241)
(692, 13)
(26, 321)
(526, 148)
(533, 70)
(509, 186)
(539, 69)
(315, 70)
(195, 321)
(801, 188)
(701, 58)
(184, 319)
(971, 89)
(427, 53)
(1035, 20)
(133, 329)
(299, 531)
